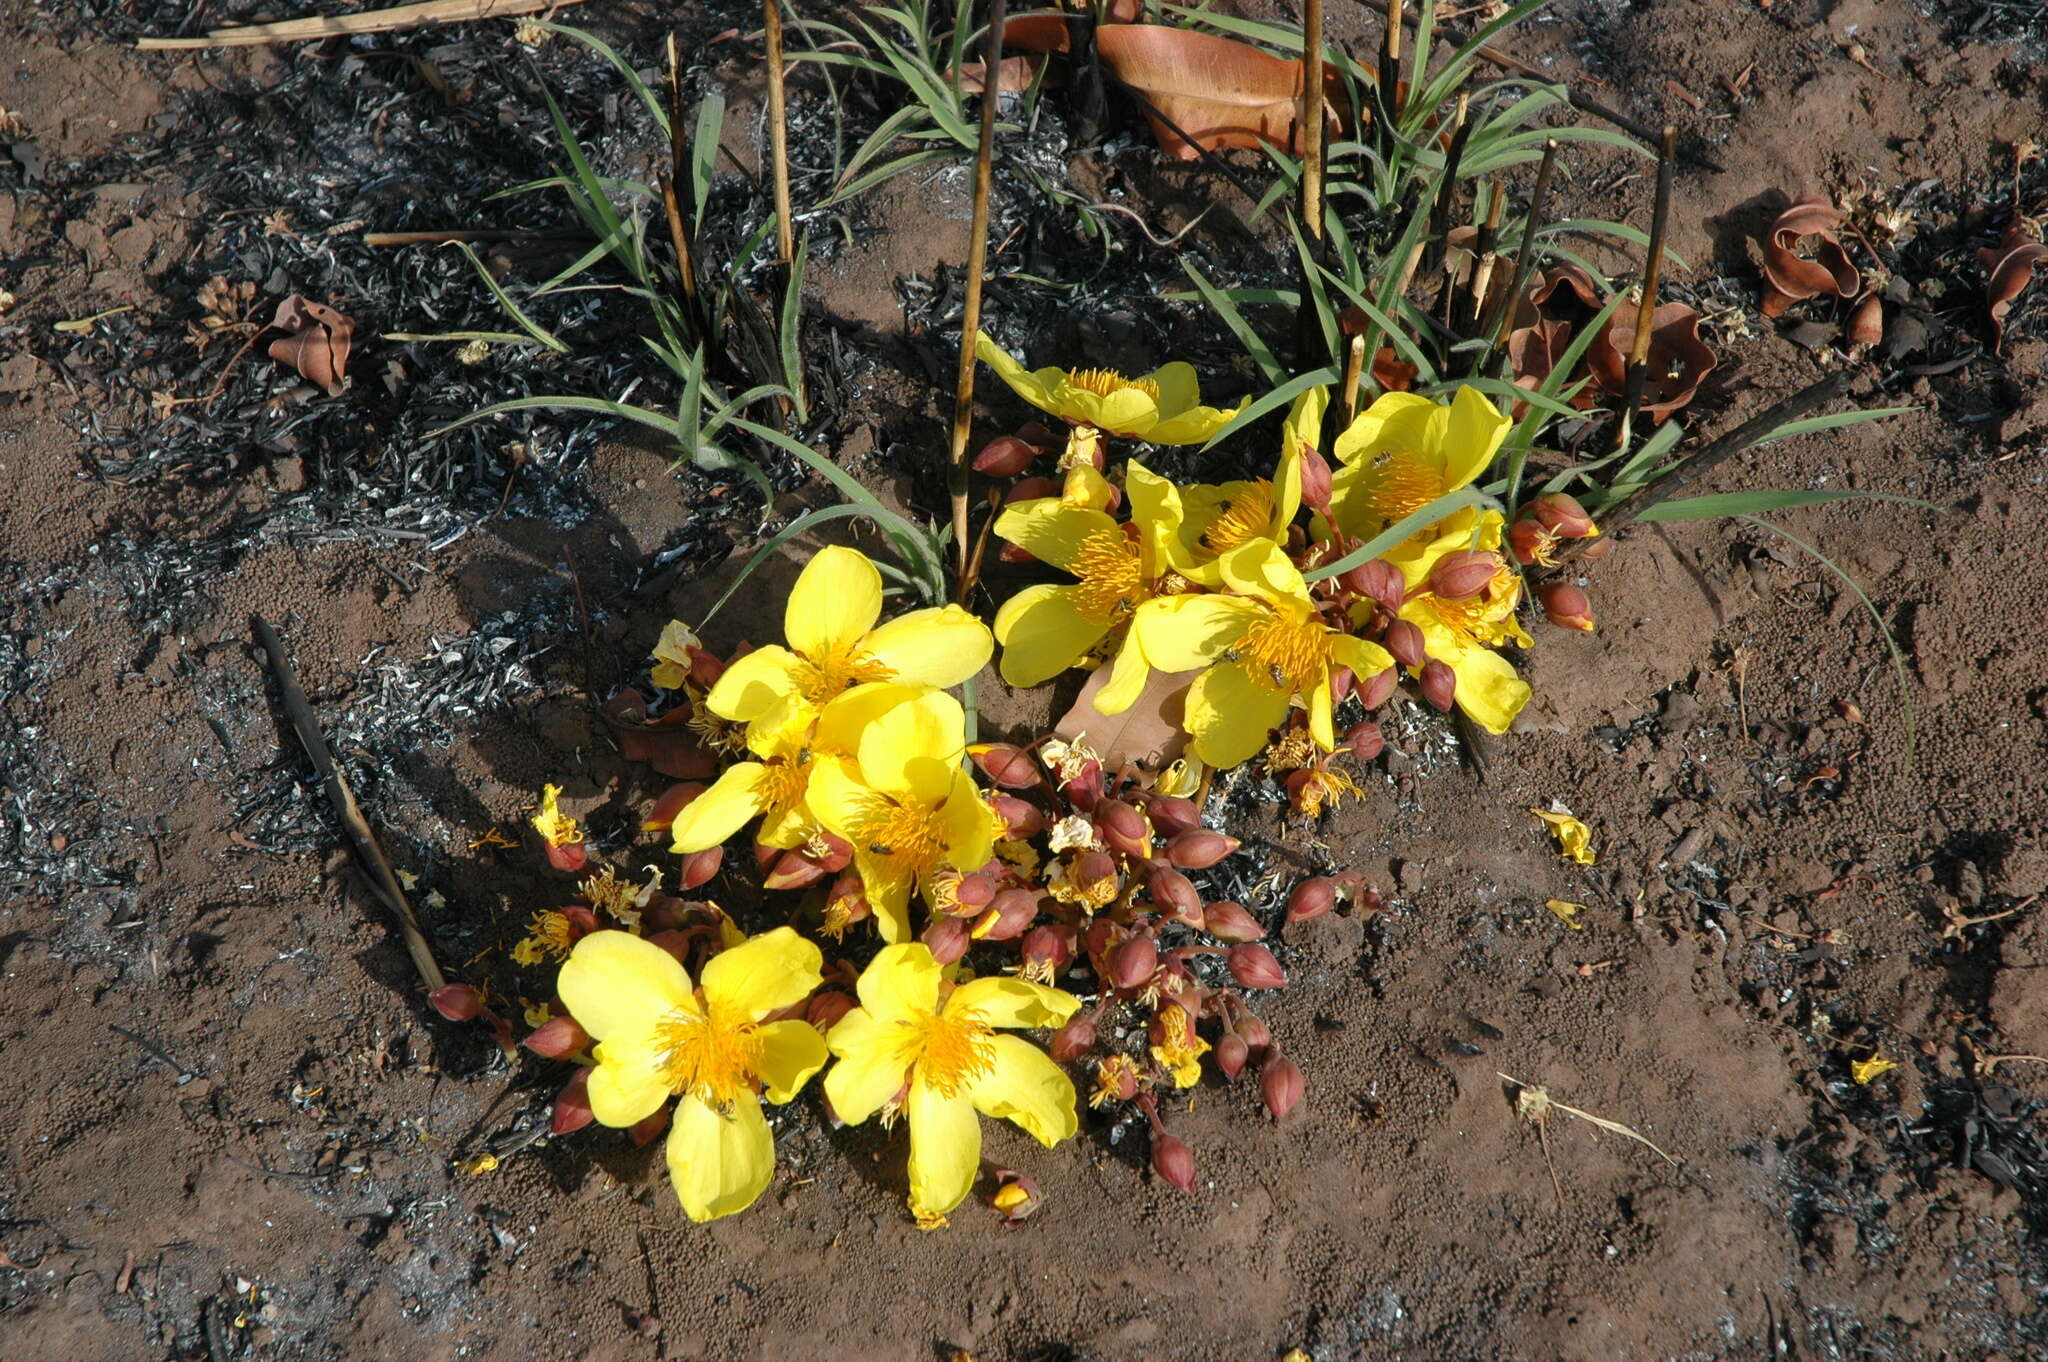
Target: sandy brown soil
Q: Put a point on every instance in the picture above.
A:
(231, 1126)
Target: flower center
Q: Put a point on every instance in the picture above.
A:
(1103, 382)
(1239, 518)
(1482, 618)
(953, 1049)
(782, 786)
(1112, 577)
(1284, 653)
(821, 678)
(714, 1056)
(912, 836)
(1398, 483)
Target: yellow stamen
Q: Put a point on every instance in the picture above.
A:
(547, 938)
(1285, 652)
(1399, 483)
(911, 837)
(1109, 1079)
(714, 1056)
(782, 786)
(822, 678)
(1239, 519)
(1112, 577)
(953, 1048)
(1103, 382)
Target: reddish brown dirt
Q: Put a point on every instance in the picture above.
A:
(231, 1125)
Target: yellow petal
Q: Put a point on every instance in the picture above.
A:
(1179, 390)
(1262, 570)
(791, 1051)
(720, 811)
(719, 1164)
(754, 684)
(940, 647)
(847, 715)
(628, 1085)
(614, 983)
(1044, 631)
(764, 973)
(1473, 434)
(1195, 427)
(873, 1058)
(1181, 633)
(1031, 387)
(1488, 689)
(908, 751)
(1026, 1087)
(1084, 488)
(1154, 500)
(1867, 1070)
(1394, 421)
(1050, 530)
(1229, 714)
(900, 982)
(1366, 660)
(836, 600)
(1005, 1000)
(1574, 838)
(969, 823)
(1129, 671)
(836, 795)
(945, 1149)
(1321, 719)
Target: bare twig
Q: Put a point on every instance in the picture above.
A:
(678, 226)
(1646, 306)
(382, 878)
(778, 130)
(376, 21)
(1534, 1103)
(970, 322)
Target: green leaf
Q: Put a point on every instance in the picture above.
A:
(1394, 534)
(533, 328)
(1273, 401)
(1716, 505)
(1220, 302)
(1832, 421)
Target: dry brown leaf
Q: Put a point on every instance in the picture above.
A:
(315, 342)
(1790, 277)
(1221, 92)
(1533, 351)
(1564, 293)
(1015, 76)
(1391, 372)
(1040, 34)
(666, 744)
(1678, 360)
(1148, 733)
(2011, 264)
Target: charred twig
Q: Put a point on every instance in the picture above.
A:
(1447, 190)
(1498, 322)
(970, 321)
(376, 21)
(361, 835)
(1306, 331)
(778, 130)
(1646, 306)
(678, 227)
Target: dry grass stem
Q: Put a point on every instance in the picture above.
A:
(376, 21)
(1534, 1105)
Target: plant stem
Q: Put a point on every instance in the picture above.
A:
(1310, 120)
(778, 130)
(1498, 326)
(678, 228)
(1646, 306)
(977, 258)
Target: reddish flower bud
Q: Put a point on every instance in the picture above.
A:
(1315, 477)
(1530, 542)
(457, 1002)
(1123, 828)
(792, 870)
(1008, 916)
(1378, 581)
(974, 891)
(1021, 818)
(1228, 921)
(557, 1039)
(1439, 684)
(570, 857)
(1175, 895)
(1006, 764)
(838, 853)
(1091, 868)
(572, 1105)
(765, 855)
(847, 900)
(648, 1131)
(1016, 1196)
(673, 801)
(1047, 946)
(1404, 641)
(1281, 1084)
(1031, 489)
(825, 1009)
(1566, 605)
(1004, 457)
(1596, 550)
(1311, 899)
(1073, 1040)
(1253, 1032)
(1170, 815)
(1562, 515)
(676, 943)
(1365, 741)
(1254, 967)
(1232, 1054)
(1173, 1160)
(1463, 573)
(948, 939)
(1199, 848)
(1378, 687)
(1084, 789)
(1132, 964)
(1341, 681)
(1035, 434)
(699, 867)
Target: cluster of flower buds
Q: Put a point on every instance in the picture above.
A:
(1538, 529)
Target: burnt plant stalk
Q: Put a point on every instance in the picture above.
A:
(970, 321)
(1646, 306)
(1307, 334)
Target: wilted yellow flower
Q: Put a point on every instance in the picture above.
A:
(1865, 1070)
(672, 655)
(1265, 646)
(1113, 1077)
(556, 828)
(1567, 912)
(1163, 407)
(547, 938)
(835, 644)
(657, 1036)
(1574, 838)
(955, 1063)
(1180, 1049)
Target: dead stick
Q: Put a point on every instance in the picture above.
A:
(1307, 334)
(445, 235)
(678, 228)
(1497, 324)
(977, 260)
(1646, 306)
(1702, 463)
(343, 799)
(1447, 192)
(1486, 248)
(778, 130)
(376, 21)
(1387, 81)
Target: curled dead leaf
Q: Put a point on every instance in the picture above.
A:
(1533, 352)
(1678, 360)
(316, 341)
(1220, 92)
(1148, 733)
(1824, 271)
(1564, 293)
(666, 744)
(1015, 76)
(2011, 264)
(1391, 372)
(1039, 35)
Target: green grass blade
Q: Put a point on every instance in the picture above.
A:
(532, 327)
(1716, 505)
(1400, 530)
(1220, 303)
(1273, 401)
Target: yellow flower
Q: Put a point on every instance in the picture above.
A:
(547, 938)
(1180, 1050)
(556, 828)
(906, 804)
(1113, 1078)
(672, 655)
(656, 1036)
(1202, 522)
(1264, 647)
(1574, 838)
(1047, 628)
(1865, 1071)
(1405, 451)
(1164, 406)
(1463, 633)
(955, 1064)
(835, 644)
